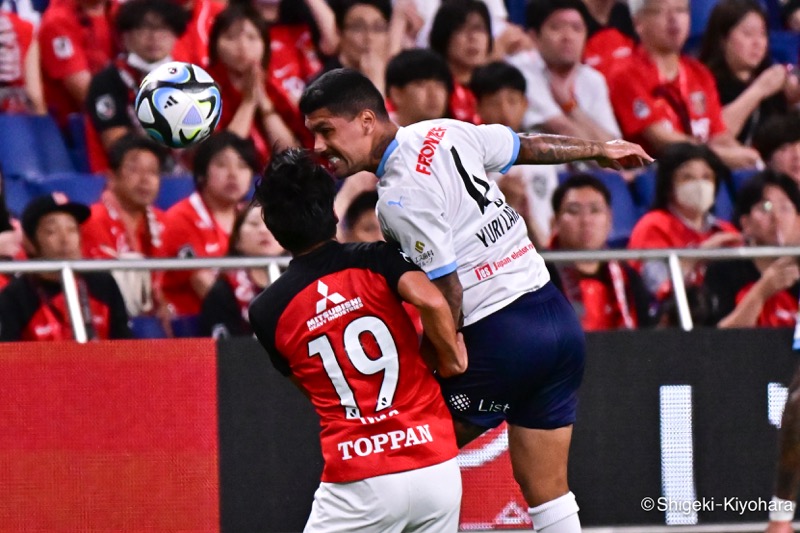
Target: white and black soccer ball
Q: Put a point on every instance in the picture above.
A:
(178, 104)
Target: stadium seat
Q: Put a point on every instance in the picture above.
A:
(18, 147)
(643, 190)
(740, 177)
(625, 212)
(700, 12)
(148, 327)
(50, 146)
(174, 189)
(18, 193)
(78, 147)
(79, 187)
(724, 205)
(784, 47)
(186, 326)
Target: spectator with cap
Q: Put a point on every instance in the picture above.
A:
(778, 141)
(33, 306)
(148, 30)
(662, 96)
(500, 89)
(418, 86)
(200, 225)
(76, 41)
(760, 292)
(605, 294)
(565, 97)
(125, 224)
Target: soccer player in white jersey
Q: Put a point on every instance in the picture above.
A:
(525, 344)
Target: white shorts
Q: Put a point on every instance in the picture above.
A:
(423, 500)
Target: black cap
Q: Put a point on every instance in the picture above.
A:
(51, 203)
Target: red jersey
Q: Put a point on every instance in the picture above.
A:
(71, 41)
(191, 231)
(192, 46)
(16, 36)
(334, 321)
(105, 235)
(293, 59)
(779, 311)
(463, 104)
(232, 99)
(642, 98)
(605, 48)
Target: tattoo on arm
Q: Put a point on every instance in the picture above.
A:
(788, 474)
(554, 149)
(453, 292)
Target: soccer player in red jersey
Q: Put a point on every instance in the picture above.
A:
(335, 324)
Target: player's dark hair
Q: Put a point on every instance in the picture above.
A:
(132, 14)
(579, 181)
(418, 64)
(296, 196)
(774, 132)
(538, 11)
(230, 16)
(495, 76)
(344, 92)
(676, 155)
(752, 192)
(451, 17)
(216, 144)
(130, 142)
(363, 203)
(342, 7)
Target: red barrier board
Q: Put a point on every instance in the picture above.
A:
(111, 436)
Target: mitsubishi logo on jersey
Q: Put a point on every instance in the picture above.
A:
(334, 298)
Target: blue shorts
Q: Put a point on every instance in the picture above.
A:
(525, 365)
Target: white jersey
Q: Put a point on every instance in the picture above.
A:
(437, 202)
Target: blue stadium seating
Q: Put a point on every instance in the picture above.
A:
(724, 205)
(78, 147)
(32, 146)
(148, 327)
(784, 46)
(174, 189)
(79, 187)
(643, 190)
(18, 193)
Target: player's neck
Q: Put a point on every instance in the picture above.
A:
(387, 133)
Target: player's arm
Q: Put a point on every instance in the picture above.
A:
(542, 149)
(437, 321)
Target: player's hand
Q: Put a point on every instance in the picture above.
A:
(779, 527)
(619, 155)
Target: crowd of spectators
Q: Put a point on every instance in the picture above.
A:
(720, 111)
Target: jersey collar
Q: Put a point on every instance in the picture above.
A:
(389, 150)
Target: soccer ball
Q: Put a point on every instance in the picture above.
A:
(178, 104)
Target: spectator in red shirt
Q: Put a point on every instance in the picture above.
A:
(418, 86)
(254, 106)
(33, 306)
(610, 33)
(224, 310)
(760, 292)
(76, 41)
(200, 225)
(686, 185)
(148, 30)
(20, 74)
(462, 35)
(735, 50)
(125, 224)
(605, 295)
(192, 46)
(778, 142)
(662, 97)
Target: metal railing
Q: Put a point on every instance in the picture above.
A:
(672, 256)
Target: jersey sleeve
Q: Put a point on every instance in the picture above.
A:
(392, 263)
(60, 48)
(499, 146)
(414, 219)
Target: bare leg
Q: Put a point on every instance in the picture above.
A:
(539, 459)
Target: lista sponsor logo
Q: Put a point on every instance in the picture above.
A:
(379, 443)
(495, 229)
(490, 406)
(429, 146)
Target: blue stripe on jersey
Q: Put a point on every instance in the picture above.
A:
(389, 149)
(514, 154)
(442, 271)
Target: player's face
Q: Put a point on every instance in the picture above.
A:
(562, 38)
(786, 159)
(137, 181)
(746, 45)
(469, 45)
(228, 178)
(153, 41)
(240, 46)
(506, 106)
(366, 228)
(584, 220)
(58, 236)
(254, 237)
(664, 25)
(773, 221)
(420, 100)
(345, 143)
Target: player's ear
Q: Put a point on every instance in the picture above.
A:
(368, 120)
